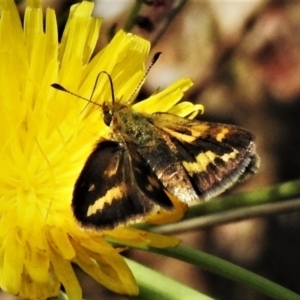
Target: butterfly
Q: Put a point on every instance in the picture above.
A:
(150, 157)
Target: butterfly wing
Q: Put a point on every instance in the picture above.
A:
(116, 186)
(199, 160)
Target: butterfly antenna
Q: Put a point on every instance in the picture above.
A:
(59, 87)
(153, 61)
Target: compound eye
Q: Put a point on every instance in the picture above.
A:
(107, 114)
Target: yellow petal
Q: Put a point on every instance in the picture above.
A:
(164, 100)
(138, 238)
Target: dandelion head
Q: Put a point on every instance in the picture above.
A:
(46, 136)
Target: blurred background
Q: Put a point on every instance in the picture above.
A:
(244, 59)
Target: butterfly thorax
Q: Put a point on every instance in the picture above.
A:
(129, 125)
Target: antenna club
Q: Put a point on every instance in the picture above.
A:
(156, 57)
(59, 87)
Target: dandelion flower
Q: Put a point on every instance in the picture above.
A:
(46, 137)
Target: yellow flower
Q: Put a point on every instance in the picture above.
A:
(46, 136)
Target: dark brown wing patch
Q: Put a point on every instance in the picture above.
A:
(214, 156)
(116, 186)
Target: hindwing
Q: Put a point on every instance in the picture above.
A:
(116, 186)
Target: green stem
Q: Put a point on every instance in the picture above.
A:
(155, 286)
(271, 194)
(235, 207)
(228, 270)
(133, 14)
(232, 215)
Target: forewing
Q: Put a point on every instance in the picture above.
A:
(215, 156)
(116, 186)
